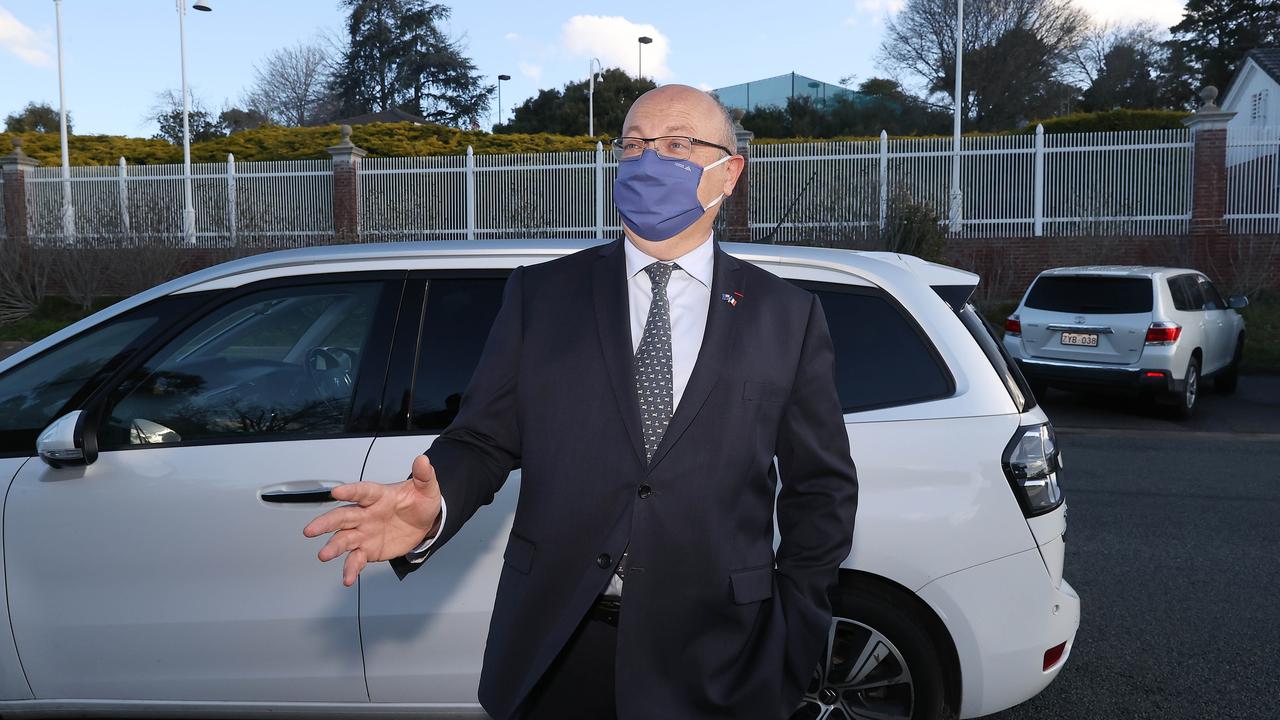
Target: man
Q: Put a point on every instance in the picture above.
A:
(644, 387)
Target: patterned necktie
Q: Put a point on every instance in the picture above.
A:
(653, 361)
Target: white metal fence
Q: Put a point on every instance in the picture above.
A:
(1253, 180)
(1022, 185)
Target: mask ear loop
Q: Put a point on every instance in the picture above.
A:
(719, 197)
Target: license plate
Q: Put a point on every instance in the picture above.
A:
(1084, 339)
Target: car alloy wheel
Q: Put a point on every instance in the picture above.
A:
(1193, 385)
(862, 676)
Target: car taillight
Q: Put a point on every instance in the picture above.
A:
(1012, 326)
(1031, 462)
(1163, 333)
(1053, 655)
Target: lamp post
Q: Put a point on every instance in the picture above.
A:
(500, 79)
(68, 210)
(188, 209)
(644, 40)
(591, 93)
(957, 197)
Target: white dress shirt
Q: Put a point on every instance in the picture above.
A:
(689, 297)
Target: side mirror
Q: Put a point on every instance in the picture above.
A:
(1235, 302)
(62, 443)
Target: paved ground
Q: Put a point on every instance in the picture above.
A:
(1173, 542)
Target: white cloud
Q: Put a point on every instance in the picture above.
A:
(874, 10)
(30, 46)
(613, 39)
(704, 87)
(529, 70)
(511, 36)
(1164, 12)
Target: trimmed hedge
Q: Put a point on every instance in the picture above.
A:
(409, 140)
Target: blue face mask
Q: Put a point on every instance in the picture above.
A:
(658, 198)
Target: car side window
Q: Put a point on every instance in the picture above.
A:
(883, 358)
(1212, 300)
(274, 362)
(1179, 290)
(455, 326)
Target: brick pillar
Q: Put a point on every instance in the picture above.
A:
(1209, 238)
(346, 188)
(14, 167)
(737, 205)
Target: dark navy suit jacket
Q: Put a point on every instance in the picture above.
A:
(714, 624)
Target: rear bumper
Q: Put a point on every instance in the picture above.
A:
(1003, 615)
(1086, 376)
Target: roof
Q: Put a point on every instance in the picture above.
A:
(384, 116)
(877, 266)
(1147, 271)
(1266, 58)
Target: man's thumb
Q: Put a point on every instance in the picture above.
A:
(424, 476)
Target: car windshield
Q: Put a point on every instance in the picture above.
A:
(1091, 294)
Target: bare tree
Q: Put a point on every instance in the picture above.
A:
(290, 86)
(1087, 60)
(1015, 52)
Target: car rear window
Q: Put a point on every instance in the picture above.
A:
(1096, 295)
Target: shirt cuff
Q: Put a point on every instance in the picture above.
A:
(418, 554)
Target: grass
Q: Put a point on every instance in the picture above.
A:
(1261, 328)
(52, 315)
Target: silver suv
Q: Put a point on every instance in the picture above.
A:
(1150, 330)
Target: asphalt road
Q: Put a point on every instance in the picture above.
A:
(1173, 542)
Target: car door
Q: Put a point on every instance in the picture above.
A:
(169, 568)
(424, 637)
(1219, 346)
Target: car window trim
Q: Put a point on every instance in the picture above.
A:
(96, 405)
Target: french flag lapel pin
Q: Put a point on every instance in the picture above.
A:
(731, 298)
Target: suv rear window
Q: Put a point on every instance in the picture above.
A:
(1091, 294)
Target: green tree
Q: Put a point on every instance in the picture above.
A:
(1212, 38)
(398, 57)
(35, 117)
(167, 114)
(564, 111)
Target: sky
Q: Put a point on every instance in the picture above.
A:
(118, 54)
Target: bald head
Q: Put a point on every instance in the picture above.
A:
(680, 110)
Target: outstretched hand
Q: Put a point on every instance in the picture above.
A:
(386, 520)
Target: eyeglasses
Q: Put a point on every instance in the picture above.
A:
(669, 147)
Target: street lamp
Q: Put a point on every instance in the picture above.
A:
(957, 197)
(188, 210)
(68, 211)
(500, 79)
(644, 40)
(591, 93)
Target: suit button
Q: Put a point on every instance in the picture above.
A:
(645, 491)
(603, 560)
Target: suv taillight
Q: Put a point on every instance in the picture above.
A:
(1163, 333)
(1031, 462)
(1012, 325)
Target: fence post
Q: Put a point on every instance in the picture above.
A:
(738, 205)
(1209, 186)
(884, 178)
(14, 167)
(346, 187)
(599, 189)
(231, 198)
(470, 174)
(1038, 189)
(122, 187)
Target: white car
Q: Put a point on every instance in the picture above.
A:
(1154, 331)
(161, 457)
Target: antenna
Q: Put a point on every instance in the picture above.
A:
(768, 239)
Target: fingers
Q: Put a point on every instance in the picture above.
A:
(356, 561)
(363, 494)
(342, 541)
(424, 475)
(342, 518)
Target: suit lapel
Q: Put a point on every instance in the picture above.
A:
(716, 350)
(613, 320)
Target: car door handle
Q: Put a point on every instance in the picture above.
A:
(292, 493)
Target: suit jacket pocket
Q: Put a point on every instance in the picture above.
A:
(767, 391)
(519, 553)
(752, 585)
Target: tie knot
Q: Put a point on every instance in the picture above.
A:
(660, 272)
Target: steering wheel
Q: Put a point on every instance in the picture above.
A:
(334, 380)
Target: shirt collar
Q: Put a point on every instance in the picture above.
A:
(698, 262)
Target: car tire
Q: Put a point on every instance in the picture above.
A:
(1226, 380)
(1184, 403)
(874, 621)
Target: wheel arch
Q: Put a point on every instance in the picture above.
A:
(863, 582)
